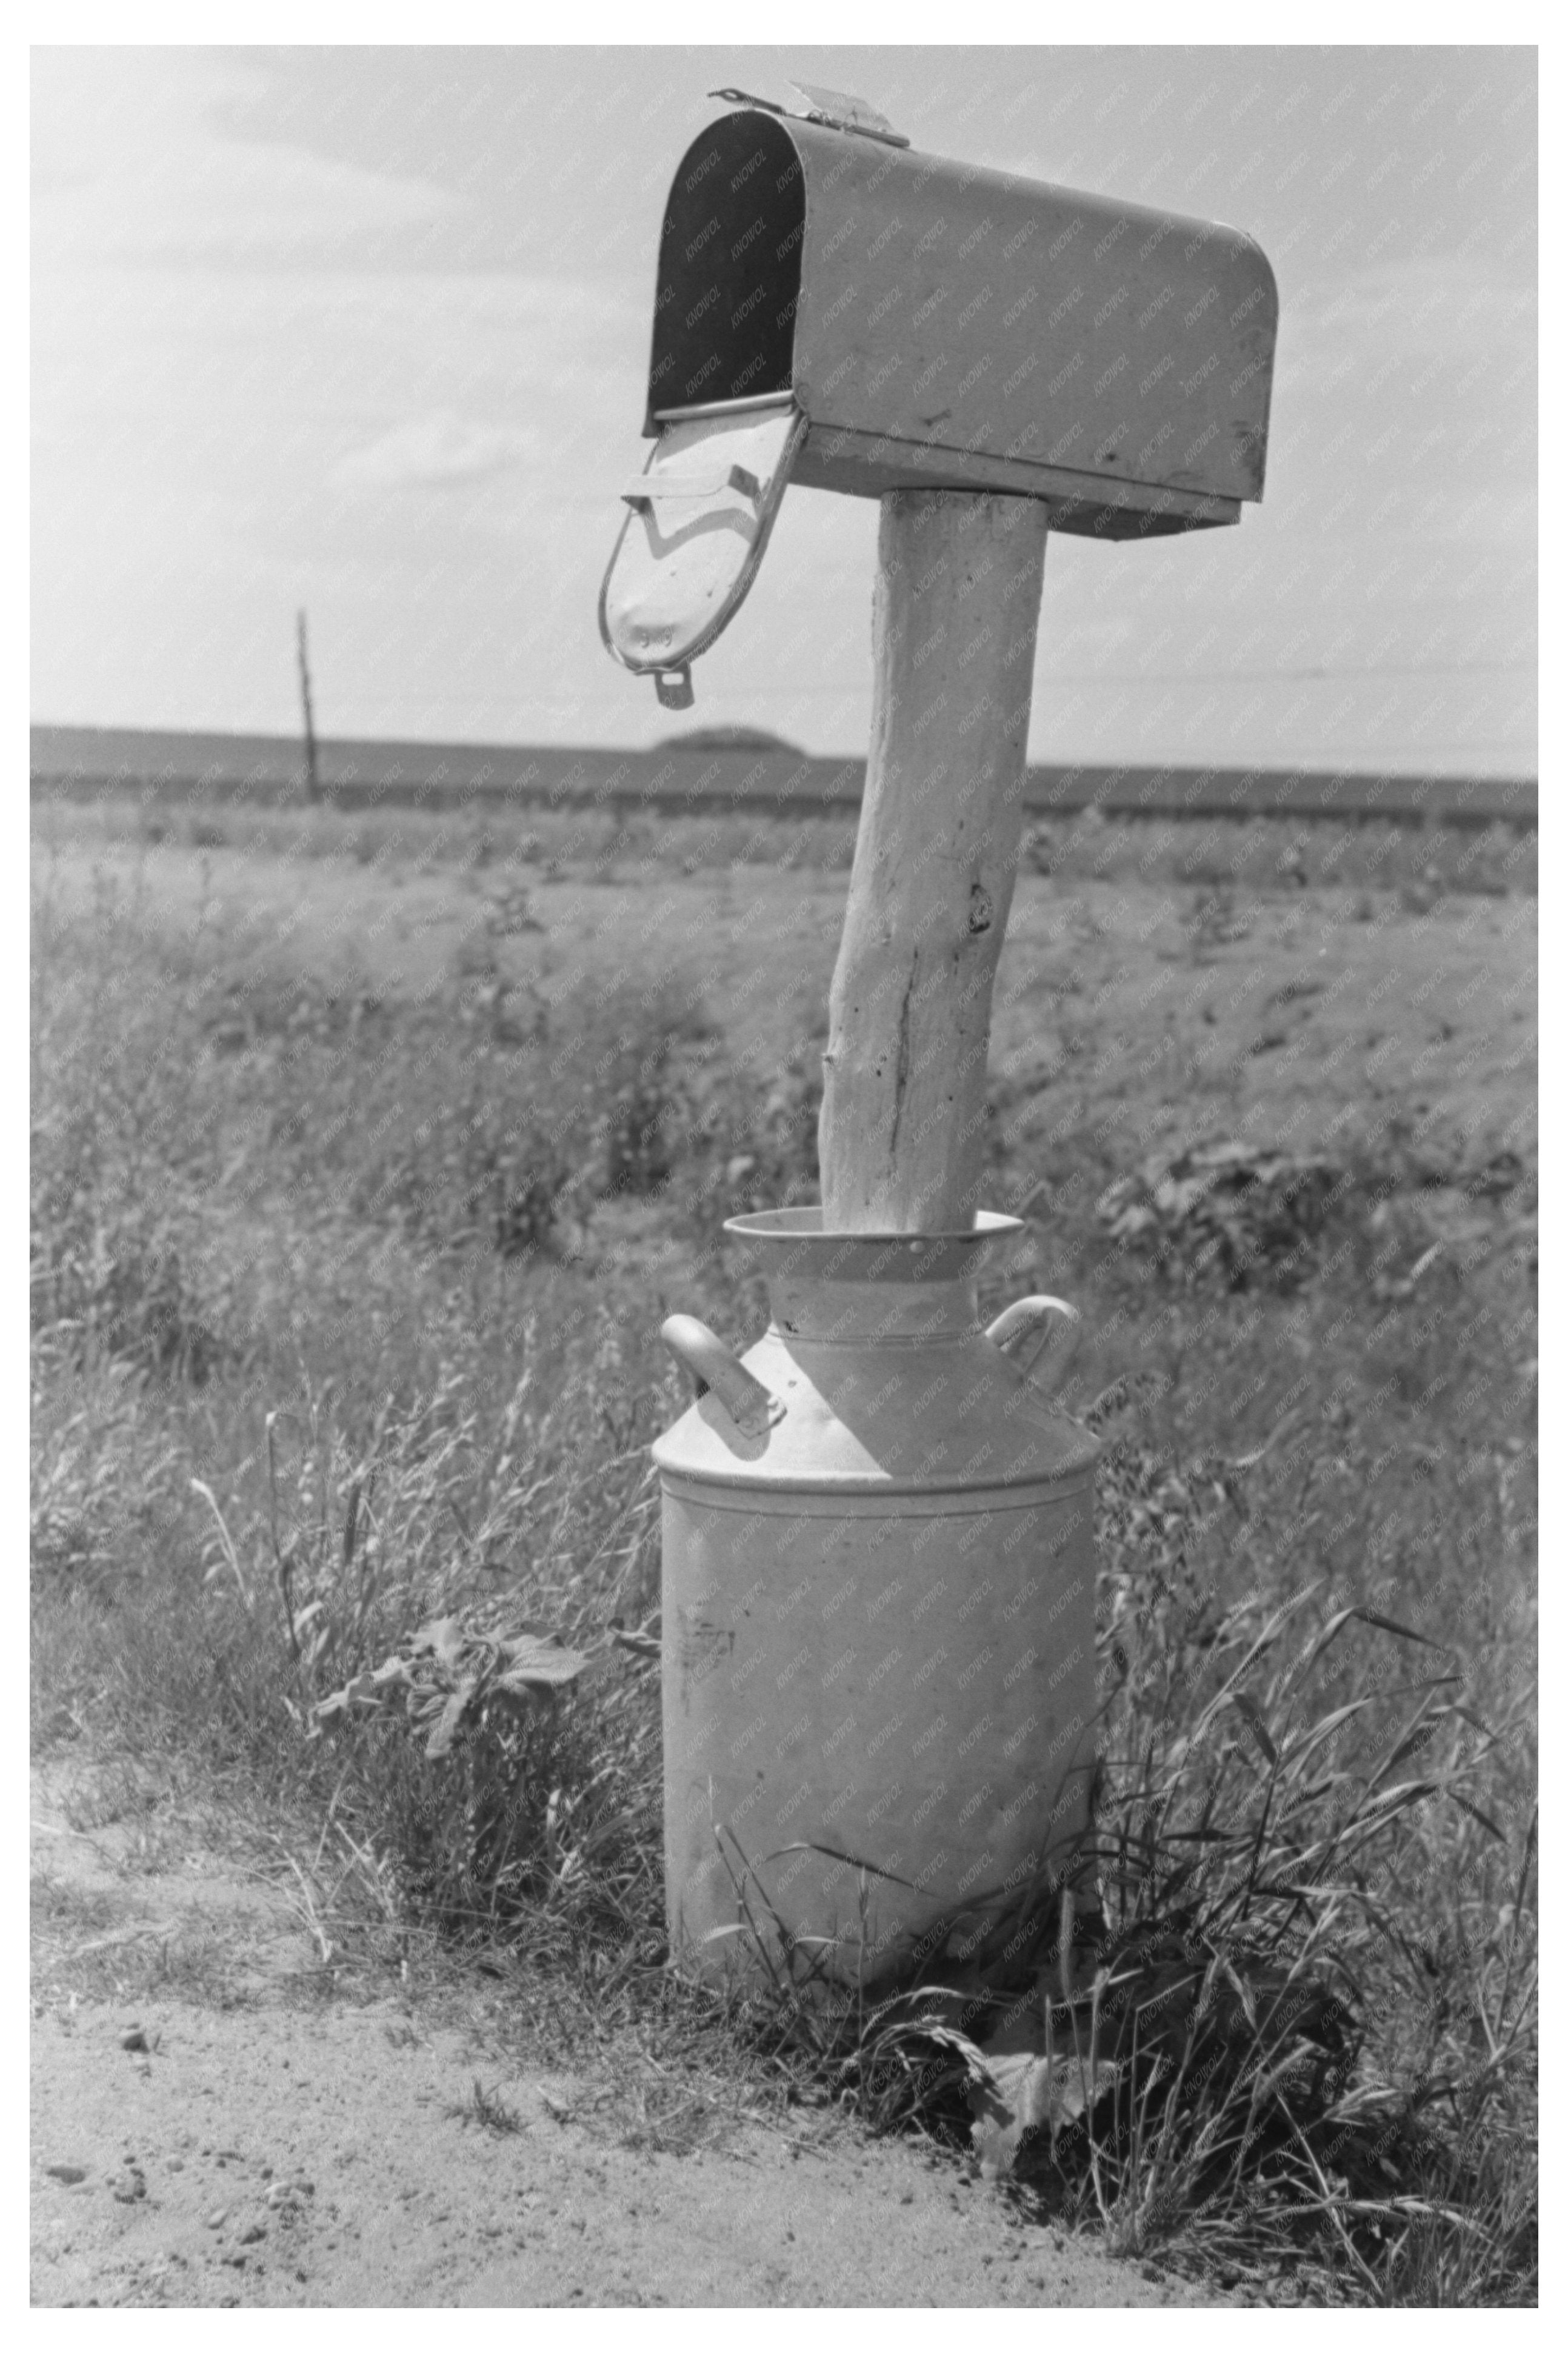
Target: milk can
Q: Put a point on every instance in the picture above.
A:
(879, 1613)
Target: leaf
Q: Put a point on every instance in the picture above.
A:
(360, 1687)
(533, 1661)
(444, 1636)
(641, 1646)
(950, 2037)
(1259, 1644)
(350, 1524)
(1313, 1739)
(1027, 2088)
(1247, 1710)
(451, 1718)
(1392, 1626)
(1475, 1813)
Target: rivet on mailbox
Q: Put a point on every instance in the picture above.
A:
(837, 310)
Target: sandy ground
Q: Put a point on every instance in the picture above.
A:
(268, 2146)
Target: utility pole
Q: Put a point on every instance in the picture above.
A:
(312, 781)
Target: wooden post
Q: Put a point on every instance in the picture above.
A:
(313, 782)
(957, 606)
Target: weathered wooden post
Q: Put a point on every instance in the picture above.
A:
(879, 1638)
(958, 596)
(302, 652)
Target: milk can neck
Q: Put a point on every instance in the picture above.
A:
(855, 1289)
(858, 1312)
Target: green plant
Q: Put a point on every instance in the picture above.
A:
(488, 2110)
(99, 1472)
(1228, 1209)
(528, 1808)
(655, 1048)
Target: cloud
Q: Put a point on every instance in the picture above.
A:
(434, 452)
(129, 164)
(1449, 310)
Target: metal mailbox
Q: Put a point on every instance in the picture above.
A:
(836, 309)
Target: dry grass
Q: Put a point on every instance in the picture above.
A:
(344, 1311)
(1250, 854)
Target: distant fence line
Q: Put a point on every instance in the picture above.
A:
(83, 762)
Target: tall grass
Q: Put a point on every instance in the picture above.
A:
(344, 1322)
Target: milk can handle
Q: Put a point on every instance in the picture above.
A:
(751, 1406)
(1021, 1333)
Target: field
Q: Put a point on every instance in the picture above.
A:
(369, 1154)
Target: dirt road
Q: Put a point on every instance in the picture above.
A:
(263, 2142)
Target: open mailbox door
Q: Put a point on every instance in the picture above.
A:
(699, 518)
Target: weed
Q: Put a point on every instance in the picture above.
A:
(99, 1471)
(488, 2110)
(649, 1102)
(1225, 1208)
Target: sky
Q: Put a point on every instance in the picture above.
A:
(366, 331)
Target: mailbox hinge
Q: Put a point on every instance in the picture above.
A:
(835, 108)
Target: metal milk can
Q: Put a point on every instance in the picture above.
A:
(879, 1613)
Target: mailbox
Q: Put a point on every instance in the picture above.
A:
(836, 309)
